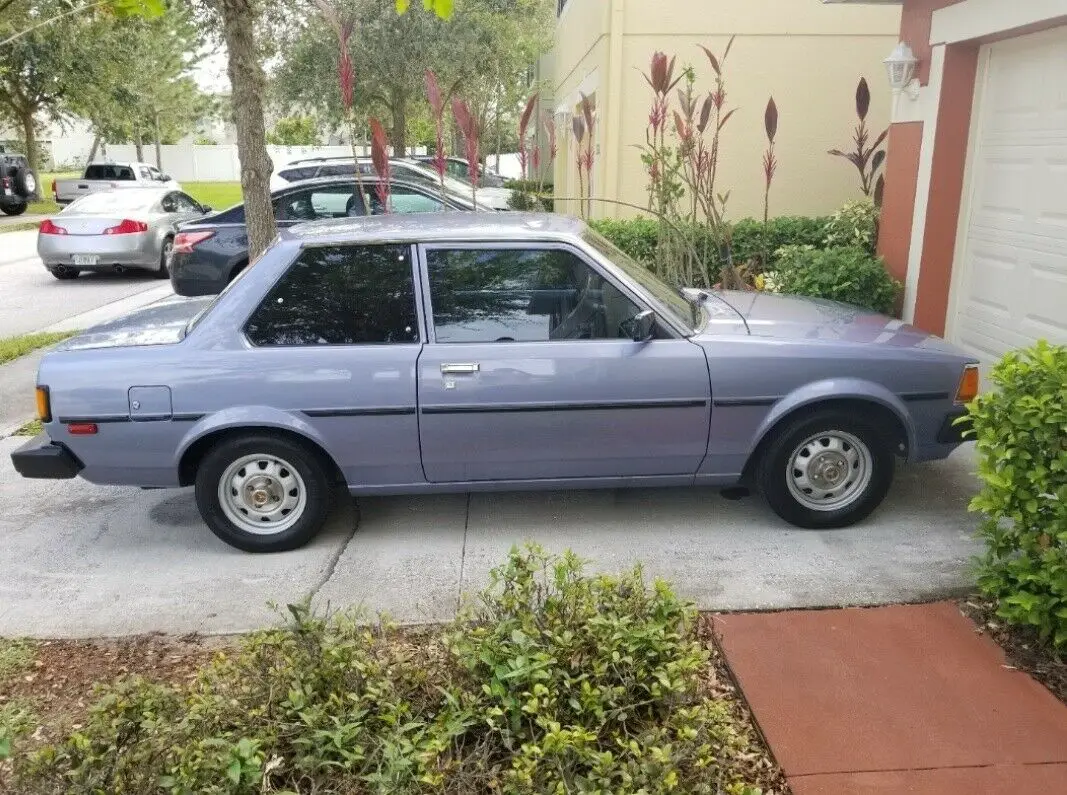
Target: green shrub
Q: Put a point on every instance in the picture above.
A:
(849, 275)
(855, 224)
(529, 186)
(749, 239)
(530, 202)
(551, 682)
(1021, 434)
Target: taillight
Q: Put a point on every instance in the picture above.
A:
(184, 241)
(127, 227)
(5, 182)
(49, 228)
(44, 404)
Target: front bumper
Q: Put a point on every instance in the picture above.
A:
(951, 432)
(42, 458)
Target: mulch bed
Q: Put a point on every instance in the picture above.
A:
(1022, 646)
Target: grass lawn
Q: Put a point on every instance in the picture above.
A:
(31, 428)
(218, 195)
(14, 347)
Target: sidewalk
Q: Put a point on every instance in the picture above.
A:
(901, 699)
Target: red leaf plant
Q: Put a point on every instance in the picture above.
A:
(770, 162)
(379, 150)
(437, 108)
(585, 156)
(865, 156)
(468, 126)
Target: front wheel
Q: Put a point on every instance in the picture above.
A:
(262, 493)
(164, 257)
(14, 209)
(825, 470)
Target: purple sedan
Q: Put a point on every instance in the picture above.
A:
(462, 352)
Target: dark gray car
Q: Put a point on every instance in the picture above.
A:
(488, 351)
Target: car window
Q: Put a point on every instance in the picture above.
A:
(405, 200)
(145, 173)
(312, 204)
(338, 170)
(523, 295)
(340, 295)
(125, 200)
(124, 173)
(457, 170)
(297, 174)
(414, 174)
(234, 215)
(183, 203)
(155, 173)
(97, 171)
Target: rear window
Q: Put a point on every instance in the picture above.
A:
(296, 174)
(115, 200)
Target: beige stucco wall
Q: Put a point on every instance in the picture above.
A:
(808, 55)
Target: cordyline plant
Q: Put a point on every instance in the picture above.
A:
(468, 127)
(865, 156)
(379, 150)
(346, 77)
(681, 157)
(578, 129)
(770, 162)
(437, 108)
(584, 155)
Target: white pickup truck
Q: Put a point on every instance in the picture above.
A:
(108, 176)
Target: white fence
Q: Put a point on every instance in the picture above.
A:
(218, 163)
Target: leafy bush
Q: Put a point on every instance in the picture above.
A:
(855, 224)
(750, 239)
(552, 682)
(850, 275)
(529, 186)
(1021, 435)
(530, 202)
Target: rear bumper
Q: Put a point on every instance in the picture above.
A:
(195, 275)
(42, 458)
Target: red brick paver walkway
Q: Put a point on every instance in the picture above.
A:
(902, 699)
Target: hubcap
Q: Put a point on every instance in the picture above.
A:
(31, 183)
(262, 494)
(829, 471)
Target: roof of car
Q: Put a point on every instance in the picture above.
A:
(429, 227)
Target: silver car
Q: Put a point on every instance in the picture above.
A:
(461, 352)
(115, 231)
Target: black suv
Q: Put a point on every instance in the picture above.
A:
(18, 183)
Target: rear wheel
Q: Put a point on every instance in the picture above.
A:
(63, 273)
(14, 209)
(164, 257)
(824, 470)
(263, 493)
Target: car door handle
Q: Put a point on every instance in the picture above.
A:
(460, 369)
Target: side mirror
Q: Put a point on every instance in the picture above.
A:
(164, 177)
(642, 325)
(205, 208)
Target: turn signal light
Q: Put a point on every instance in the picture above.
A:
(49, 228)
(184, 241)
(127, 227)
(81, 428)
(968, 388)
(44, 404)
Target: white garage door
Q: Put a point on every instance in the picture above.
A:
(1010, 284)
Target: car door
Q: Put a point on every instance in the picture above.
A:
(532, 372)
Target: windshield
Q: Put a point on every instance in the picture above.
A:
(684, 311)
(106, 201)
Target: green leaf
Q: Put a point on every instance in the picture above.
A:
(233, 772)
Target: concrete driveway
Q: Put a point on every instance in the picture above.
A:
(82, 560)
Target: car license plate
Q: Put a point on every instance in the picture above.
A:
(86, 259)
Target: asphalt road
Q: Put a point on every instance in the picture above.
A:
(31, 299)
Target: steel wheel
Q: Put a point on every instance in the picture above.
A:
(262, 494)
(829, 470)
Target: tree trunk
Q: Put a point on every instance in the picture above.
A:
(248, 86)
(29, 135)
(138, 146)
(159, 146)
(499, 128)
(93, 148)
(400, 126)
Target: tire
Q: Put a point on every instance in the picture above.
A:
(285, 478)
(63, 273)
(25, 182)
(827, 469)
(164, 254)
(14, 209)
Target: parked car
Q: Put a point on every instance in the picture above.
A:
(408, 170)
(460, 169)
(18, 183)
(476, 352)
(210, 252)
(115, 231)
(111, 176)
